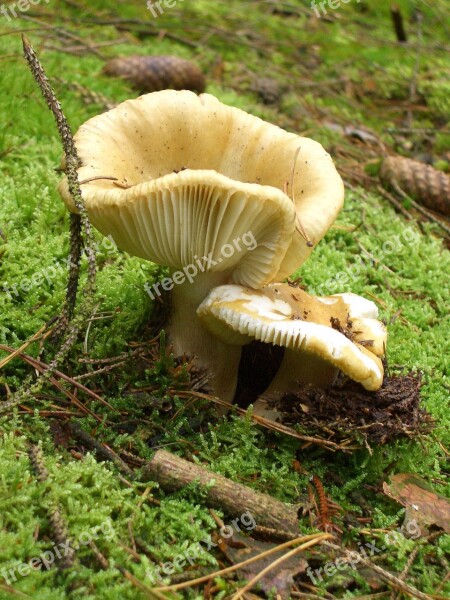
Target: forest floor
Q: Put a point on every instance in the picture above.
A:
(341, 79)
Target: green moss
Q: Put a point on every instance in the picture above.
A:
(360, 77)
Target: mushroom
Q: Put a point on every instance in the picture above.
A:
(181, 180)
(321, 335)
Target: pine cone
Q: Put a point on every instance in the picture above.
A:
(154, 73)
(425, 184)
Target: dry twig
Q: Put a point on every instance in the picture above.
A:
(173, 473)
(103, 451)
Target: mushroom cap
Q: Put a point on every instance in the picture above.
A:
(237, 315)
(198, 218)
(173, 146)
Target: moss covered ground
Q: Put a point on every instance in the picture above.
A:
(342, 70)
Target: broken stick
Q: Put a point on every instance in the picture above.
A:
(173, 473)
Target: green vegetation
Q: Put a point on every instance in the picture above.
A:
(345, 70)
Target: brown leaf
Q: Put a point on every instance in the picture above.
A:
(421, 503)
(281, 578)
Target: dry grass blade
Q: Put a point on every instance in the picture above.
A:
(42, 367)
(307, 596)
(10, 590)
(398, 205)
(393, 581)
(155, 594)
(69, 395)
(278, 561)
(194, 582)
(327, 444)
(24, 346)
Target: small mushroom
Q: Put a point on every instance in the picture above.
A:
(321, 334)
(180, 180)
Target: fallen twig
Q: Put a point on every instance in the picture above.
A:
(103, 451)
(428, 214)
(398, 205)
(173, 473)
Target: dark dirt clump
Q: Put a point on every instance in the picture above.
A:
(347, 410)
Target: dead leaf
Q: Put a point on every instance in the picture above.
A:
(361, 134)
(422, 504)
(281, 579)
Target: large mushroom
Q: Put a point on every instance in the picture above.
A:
(181, 179)
(321, 335)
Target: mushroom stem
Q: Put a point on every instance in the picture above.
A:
(301, 367)
(317, 333)
(189, 337)
(295, 368)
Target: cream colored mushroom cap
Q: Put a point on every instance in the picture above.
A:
(199, 218)
(146, 144)
(363, 321)
(237, 315)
